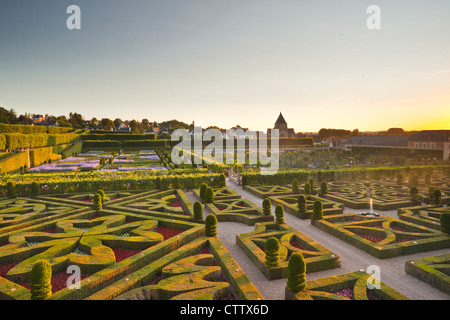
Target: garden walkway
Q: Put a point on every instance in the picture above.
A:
(352, 259)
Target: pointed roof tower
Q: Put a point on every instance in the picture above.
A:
(280, 123)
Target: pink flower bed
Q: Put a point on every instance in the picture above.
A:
(347, 293)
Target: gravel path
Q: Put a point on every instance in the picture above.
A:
(352, 259)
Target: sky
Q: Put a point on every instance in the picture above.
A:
(229, 62)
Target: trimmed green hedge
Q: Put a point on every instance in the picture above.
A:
(37, 140)
(27, 129)
(14, 162)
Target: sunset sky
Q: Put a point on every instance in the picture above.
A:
(231, 62)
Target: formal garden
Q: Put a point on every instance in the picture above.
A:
(123, 222)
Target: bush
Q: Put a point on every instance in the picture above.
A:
(267, 207)
(445, 222)
(279, 214)
(211, 226)
(203, 188)
(209, 195)
(323, 187)
(296, 272)
(222, 180)
(311, 184)
(317, 210)
(437, 197)
(11, 189)
(295, 186)
(414, 194)
(301, 203)
(102, 195)
(198, 210)
(307, 188)
(40, 280)
(97, 202)
(35, 189)
(431, 195)
(271, 247)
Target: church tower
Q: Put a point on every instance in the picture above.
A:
(281, 124)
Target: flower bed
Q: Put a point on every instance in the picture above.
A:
(393, 238)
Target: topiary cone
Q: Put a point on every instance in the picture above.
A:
(317, 210)
(211, 225)
(267, 206)
(102, 195)
(296, 272)
(209, 196)
(40, 280)
(272, 247)
(295, 186)
(97, 202)
(301, 203)
(203, 188)
(279, 214)
(198, 210)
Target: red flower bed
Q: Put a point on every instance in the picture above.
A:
(371, 237)
(51, 230)
(59, 281)
(176, 203)
(168, 233)
(295, 244)
(4, 269)
(122, 254)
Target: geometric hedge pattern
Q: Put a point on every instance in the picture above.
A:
(317, 257)
(130, 241)
(434, 270)
(348, 286)
(383, 237)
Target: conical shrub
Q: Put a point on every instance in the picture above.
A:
(317, 210)
(40, 280)
(296, 272)
(211, 225)
(272, 248)
(301, 203)
(279, 214)
(267, 206)
(198, 210)
(209, 196)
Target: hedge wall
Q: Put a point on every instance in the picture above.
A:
(302, 175)
(27, 129)
(14, 162)
(39, 155)
(20, 140)
(102, 143)
(118, 136)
